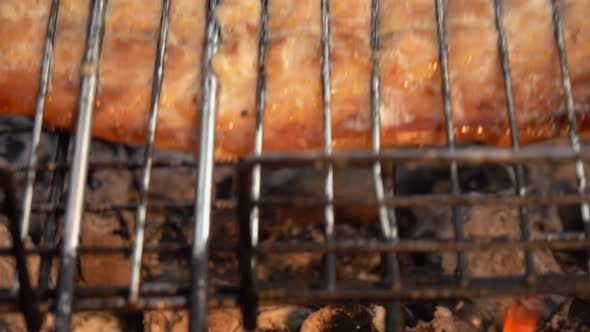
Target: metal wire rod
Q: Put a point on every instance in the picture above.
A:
(56, 195)
(441, 37)
(329, 259)
(569, 106)
(249, 215)
(520, 189)
(77, 177)
(38, 123)
(476, 156)
(203, 189)
(387, 218)
(140, 217)
(27, 299)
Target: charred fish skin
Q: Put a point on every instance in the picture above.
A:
(411, 100)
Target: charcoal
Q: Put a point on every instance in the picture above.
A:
(445, 320)
(579, 311)
(270, 319)
(105, 226)
(350, 318)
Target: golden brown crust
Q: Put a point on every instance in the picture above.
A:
(411, 99)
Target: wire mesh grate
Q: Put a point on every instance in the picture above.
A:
(71, 166)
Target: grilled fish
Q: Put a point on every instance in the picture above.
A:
(407, 62)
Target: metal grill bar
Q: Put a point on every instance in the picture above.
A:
(15, 130)
(110, 207)
(148, 156)
(552, 241)
(572, 242)
(433, 200)
(400, 201)
(26, 297)
(250, 188)
(51, 222)
(140, 296)
(431, 156)
(569, 105)
(116, 164)
(423, 157)
(77, 179)
(448, 113)
(203, 190)
(249, 221)
(38, 124)
(520, 189)
(152, 296)
(329, 259)
(367, 292)
(109, 250)
(387, 218)
(173, 296)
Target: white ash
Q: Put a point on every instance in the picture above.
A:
(485, 223)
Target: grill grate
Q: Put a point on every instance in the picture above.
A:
(72, 163)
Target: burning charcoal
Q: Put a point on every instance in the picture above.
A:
(427, 222)
(343, 319)
(101, 231)
(107, 229)
(579, 311)
(425, 180)
(292, 265)
(349, 184)
(572, 316)
(167, 321)
(489, 179)
(486, 223)
(282, 318)
(13, 150)
(464, 316)
(172, 185)
(499, 222)
(8, 265)
(15, 147)
(365, 266)
(225, 320)
(11, 322)
(444, 321)
(88, 321)
(270, 319)
(225, 187)
(94, 321)
(288, 182)
(109, 188)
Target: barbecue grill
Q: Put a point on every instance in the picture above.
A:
(72, 162)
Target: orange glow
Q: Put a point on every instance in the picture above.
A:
(520, 319)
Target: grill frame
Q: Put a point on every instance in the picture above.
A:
(251, 293)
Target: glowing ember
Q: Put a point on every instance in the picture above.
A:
(520, 319)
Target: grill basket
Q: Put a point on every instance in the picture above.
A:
(71, 166)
